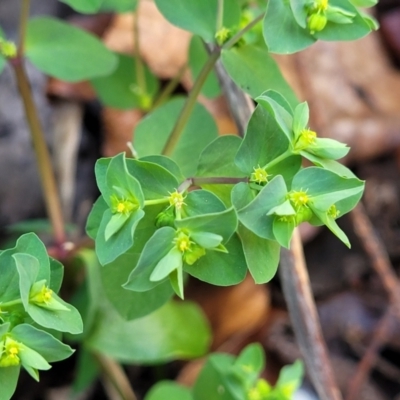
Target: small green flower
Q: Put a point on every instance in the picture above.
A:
(9, 356)
(316, 22)
(333, 212)
(298, 199)
(305, 138)
(259, 175)
(122, 206)
(223, 35)
(8, 49)
(41, 295)
(176, 199)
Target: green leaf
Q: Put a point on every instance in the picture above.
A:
(110, 278)
(213, 384)
(254, 71)
(200, 202)
(326, 148)
(223, 223)
(42, 342)
(120, 89)
(95, 217)
(8, 382)
(299, 8)
(115, 223)
(164, 161)
(119, 6)
(283, 231)
(300, 117)
(56, 275)
(335, 32)
(217, 160)
(170, 262)
(153, 131)
(222, 269)
(120, 242)
(197, 58)
(282, 33)
(261, 145)
(206, 239)
(281, 115)
(156, 248)
(177, 330)
(364, 3)
(255, 215)
(51, 45)
(325, 187)
(85, 6)
(156, 181)
(249, 364)
(59, 320)
(331, 165)
(168, 390)
(262, 255)
(122, 183)
(9, 282)
(199, 17)
(32, 359)
(290, 378)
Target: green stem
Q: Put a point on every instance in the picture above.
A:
(238, 35)
(278, 159)
(140, 73)
(156, 201)
(23, 21)
(187, 109)
(220, 15)
(217, 180)
(46, 173)
(10, 303)
(169, 89)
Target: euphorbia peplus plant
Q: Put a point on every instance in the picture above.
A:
(187, 202)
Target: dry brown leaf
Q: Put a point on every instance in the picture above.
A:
(353, 93)
(163, 46)
(118, 128)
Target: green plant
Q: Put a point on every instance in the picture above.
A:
(187, 202)
(226, 377)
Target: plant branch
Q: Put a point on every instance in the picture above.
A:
(303, 315)
(235, 38)
(140, 73)
(377, 252)
(218, 180)
(114, 372)
(220, 15)
(170, 87)
(50, 191)
(278, 159)
(23, 22)
(187, 109)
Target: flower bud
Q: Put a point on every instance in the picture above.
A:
(316, 22)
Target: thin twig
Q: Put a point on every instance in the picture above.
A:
(116, 375)
(364, 367)
(50, 190)
(377, 252)
(303, 315)
(140, 72)
(23, 21)
(187, 109)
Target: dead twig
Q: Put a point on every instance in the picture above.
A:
(381, 263)
(377, 252)
(370, 356)
(303, 314)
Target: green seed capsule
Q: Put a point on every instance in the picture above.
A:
(316, 22)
